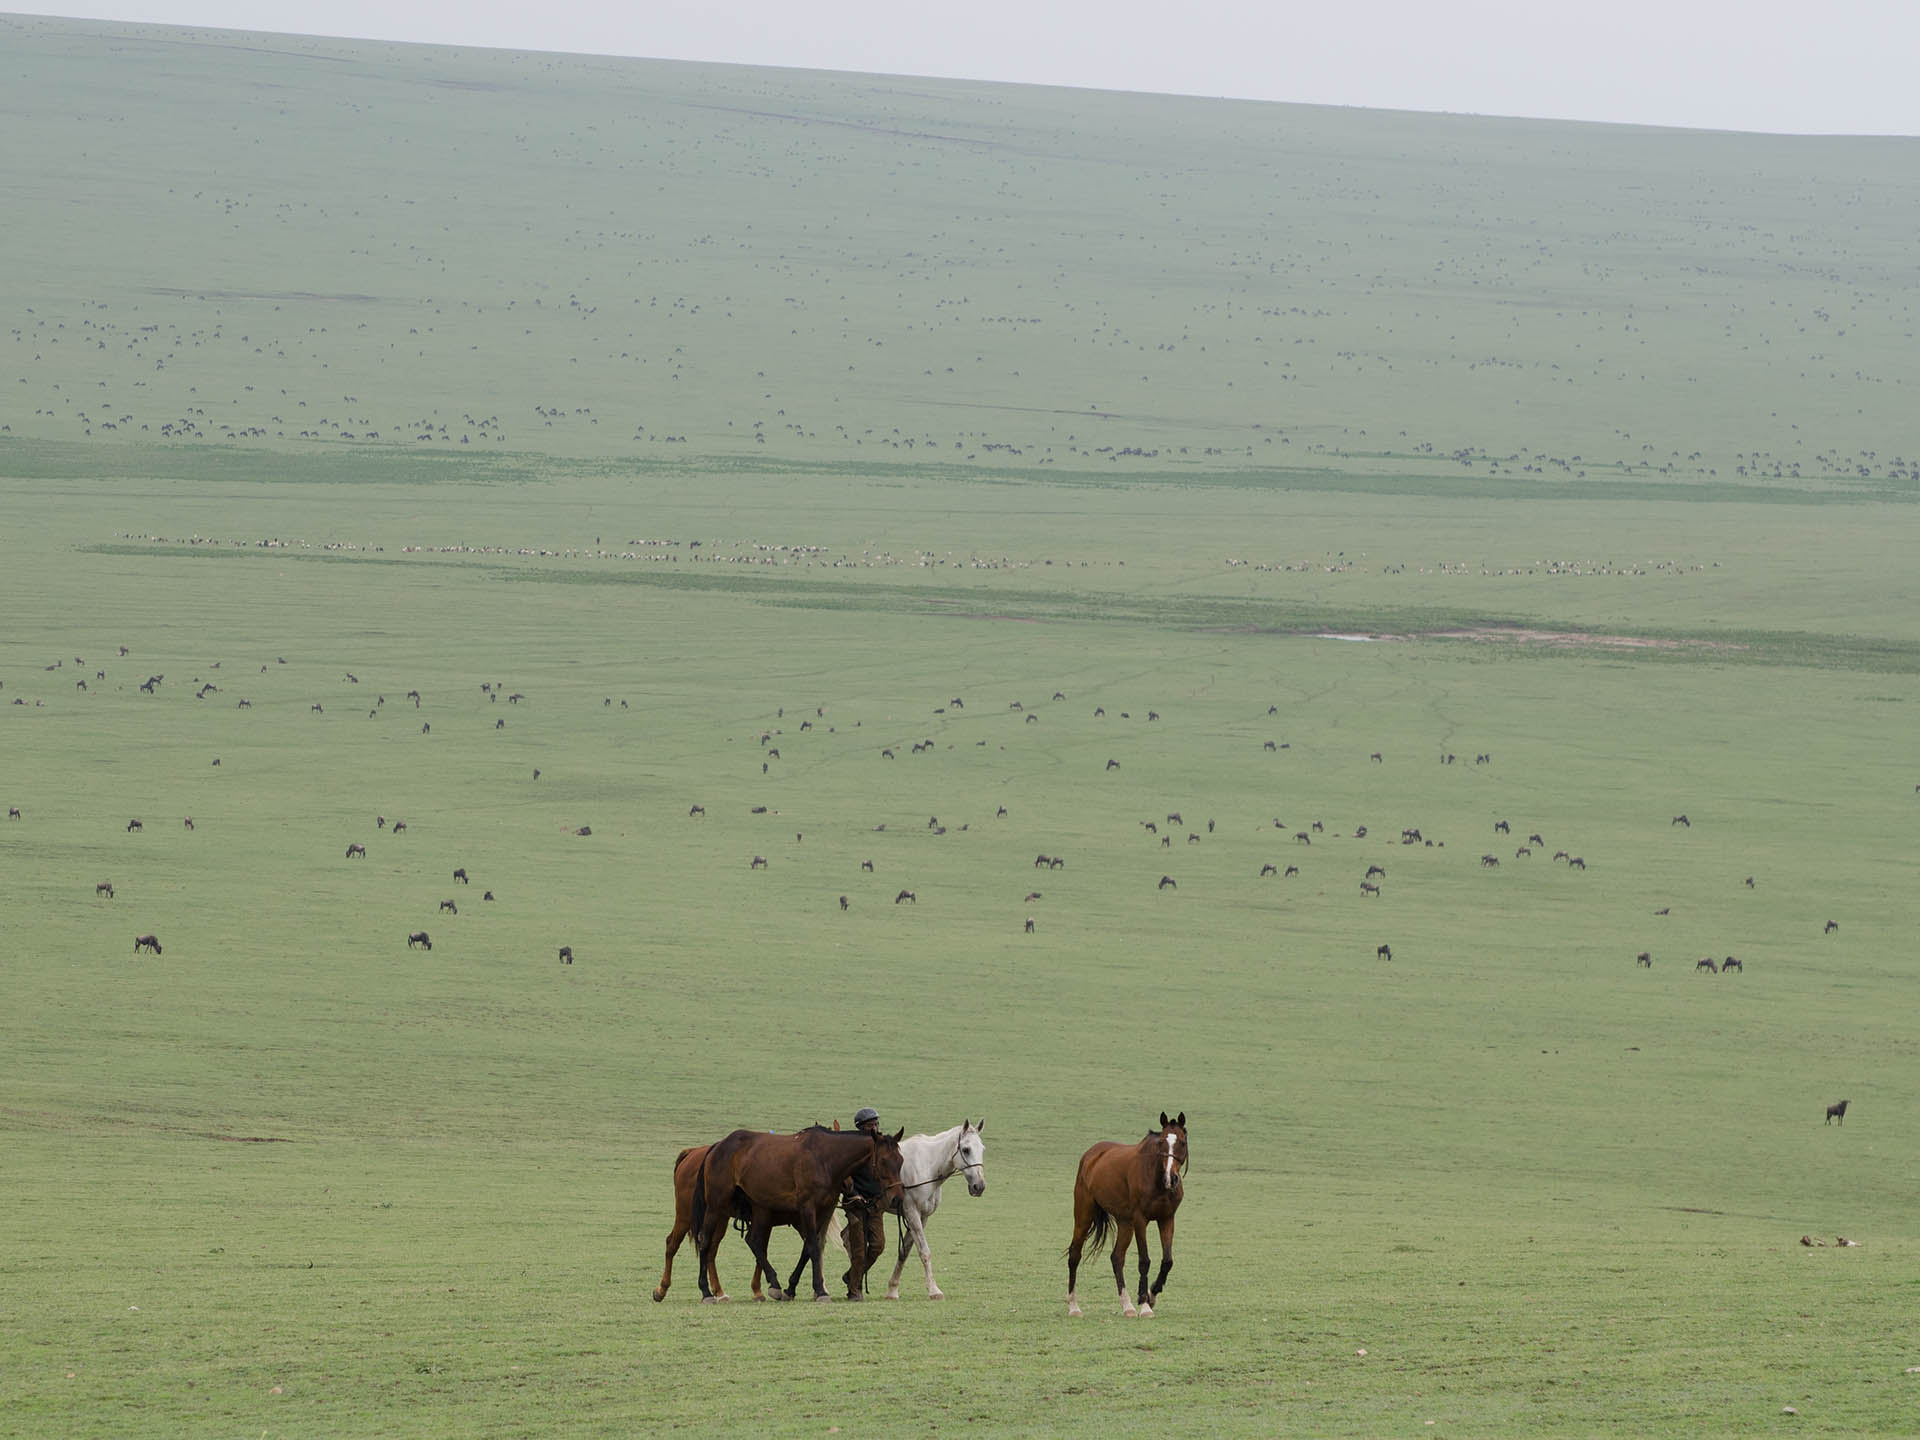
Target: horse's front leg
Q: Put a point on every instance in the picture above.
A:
(1166, 1256)
(1140, 1242)
(793, 1281)
(815, 1243)
(1122, 1237)
(934, 1292)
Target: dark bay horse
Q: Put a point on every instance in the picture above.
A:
(785, 1180)
(686, 1170)
(1118, 1189)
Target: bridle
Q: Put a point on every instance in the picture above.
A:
(953, 1167)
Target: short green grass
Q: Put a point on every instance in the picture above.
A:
(293, 1178)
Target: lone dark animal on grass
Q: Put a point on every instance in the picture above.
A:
(584, 830)
(447, 907)
(1832, 925)
(146, 942)
(1705, 962)
(843, 902)
(356, 851)
(1837, 1111)
(906, 895)
(189, 822)
(419, 937)
(105, 887)
(1031, 896)
(461, 875)
(1167, 882)
(785, 1180)
(1385, 952)
(697, 810)
(1367, 887)
(398, 826)
(1749, 882)
(1292, 870)
(1301, 837)
(1266, 870)
(1490, 862)
(1681, 820)
(1732, 962)
(759, 862)
(487, 896)
(1029, 925)
(1500, 827)
(13, 812)
(1574, 862)
(1373, 870)
(1644, 958)
(867, 865)
(1117, 1190)
(1113, 764)
(133, 825)
(566, 954)
(1664, 910)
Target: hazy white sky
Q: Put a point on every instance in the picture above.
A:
(1806, 66)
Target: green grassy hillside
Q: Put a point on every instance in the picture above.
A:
(291, 1177)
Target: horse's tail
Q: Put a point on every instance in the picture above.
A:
(697, 1225)
(1101, 1228)
(836, 1230)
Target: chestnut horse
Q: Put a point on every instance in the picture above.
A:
(785, 1180)
(1118, 1189)
(686, 1170)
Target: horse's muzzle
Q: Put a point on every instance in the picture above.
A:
(976, 1189)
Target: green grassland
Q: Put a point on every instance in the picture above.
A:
(291, 1178)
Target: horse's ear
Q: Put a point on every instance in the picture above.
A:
(836, 1122)
(978, 1126)
(1182, 1121)
(899, 1134)
(1163, 1119)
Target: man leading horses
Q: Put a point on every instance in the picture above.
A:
(866, 1232)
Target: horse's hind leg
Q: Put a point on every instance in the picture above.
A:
(680, 1228)
(900, 1261)
(757, 1234)
(1082, 1222)
(934, 1292)
(1140, 1239)
(1122, 1237)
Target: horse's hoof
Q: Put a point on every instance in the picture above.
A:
(776, 1293)
(1146, 1312)
(936, 1294)
(1073, 1311)
(1128, 1311)
(852, 1295)
(659, 1295)
(709, 1299)
(825, 1299)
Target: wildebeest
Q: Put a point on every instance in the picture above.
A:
(1113, 764)
(133, 825)
(1118, 1189)
(419, 937)
(447, 907)
(696, 810)
(584, 830)
(1837, 1111)
(843, 902)
(1292, 870)
(1373, 870)
(1367, 887)
(1644, 958)
(1029, 929)
(398, 826)
(1732, 962)
(1522, 853)
(906, 895)
(1682, 820)
(867, 865)
(1705, 962)
(461, 875)
(487, 896)
(1749, 882)
(1167, 882)
(356, 851)
(1266, 870)
(1375, 757)
(1490, 862)
(1535, 839)
(1574, 862)
(13, 812)
(759, 862)
(566, 954)
(1500, 827)
(1832, 925)
(105, 887)
(1385, 952)
(1301, 837)
(146, 942)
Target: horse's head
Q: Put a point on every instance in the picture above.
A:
(1170, 1149)
(885, 1165)
(970, 1156)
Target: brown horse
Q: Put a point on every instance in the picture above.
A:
(686, 1170)
(785, 1180)
(1118, 1189)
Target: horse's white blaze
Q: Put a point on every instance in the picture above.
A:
(1170, 1138)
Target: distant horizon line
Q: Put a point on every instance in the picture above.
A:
(938, 78)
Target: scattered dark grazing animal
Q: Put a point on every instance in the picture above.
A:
(906, 895)
(1837, 1111)
(419, 937)
(1266, 870)
(105, 887)
(487, 896)
(700, 810)
(1705, 962)
(1367, 887)
(1167, 882)
(759, 862)
(146, 942)
(461, 875)
(1732, 962)
(1682, 820)
(133, 825)
(447, 907)
(1029, 929)
(13, 812)
(584, 830)
(356, 851)
(867, 865)
(1644, 958)
(1832, 925)
(566, 954)
(843, 902)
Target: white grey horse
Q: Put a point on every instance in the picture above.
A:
(926, 1162)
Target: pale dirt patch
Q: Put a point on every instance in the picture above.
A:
(1519, 635)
